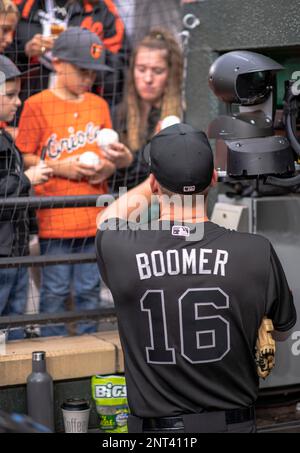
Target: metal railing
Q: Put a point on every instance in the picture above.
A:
(49, 318)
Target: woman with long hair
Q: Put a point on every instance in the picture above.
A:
(9, 16)
(153, 92)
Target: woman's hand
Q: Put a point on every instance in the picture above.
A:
(103, 171)
(119, 154)
(39, 174)
(38, 45)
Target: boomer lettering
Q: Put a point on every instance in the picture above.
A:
(174, 262)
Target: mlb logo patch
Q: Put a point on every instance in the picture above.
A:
(189, 188)
(180, 230)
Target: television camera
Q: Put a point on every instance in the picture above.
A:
(246, 82)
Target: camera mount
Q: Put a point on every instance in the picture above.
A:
(248, 80)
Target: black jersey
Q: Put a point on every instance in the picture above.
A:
(189, 312)
(16, 224)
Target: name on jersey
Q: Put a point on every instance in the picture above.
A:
(76, 140)
(174, 262)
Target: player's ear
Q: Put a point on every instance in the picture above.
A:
(56, 63)
(153, 184)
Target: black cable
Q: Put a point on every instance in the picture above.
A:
(291, 134)
(290, 112)
(283, 182)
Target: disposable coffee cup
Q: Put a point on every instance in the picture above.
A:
(76, 414)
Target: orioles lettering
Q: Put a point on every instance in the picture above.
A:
(76, 139)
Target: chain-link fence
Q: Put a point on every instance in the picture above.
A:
(84, 69)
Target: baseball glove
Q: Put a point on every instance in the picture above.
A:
(265, 349)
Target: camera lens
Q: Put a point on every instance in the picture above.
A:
(254, 88)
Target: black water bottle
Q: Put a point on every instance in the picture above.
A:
(40, 402)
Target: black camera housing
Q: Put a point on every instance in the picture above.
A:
(248, 79)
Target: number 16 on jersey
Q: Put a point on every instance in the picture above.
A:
(203, 338)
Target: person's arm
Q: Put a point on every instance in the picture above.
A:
(13, 185)
(13, 131)
(38, 45)
(69, 168)
(29, 137)
(39, 174)
(102, 172)
(119, 155)
(30, 160)
(280, 306)
(100, 260)
(113, 27)
(131, 201)
(27, 28)
(281, 336)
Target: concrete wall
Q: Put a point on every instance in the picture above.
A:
(71, 361)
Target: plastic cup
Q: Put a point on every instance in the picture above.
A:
(76, 414)
(57, 28)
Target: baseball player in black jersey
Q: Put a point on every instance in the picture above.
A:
(190, 297)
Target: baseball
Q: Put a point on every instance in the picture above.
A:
(169, 121)
(89, 158)
(106, 137)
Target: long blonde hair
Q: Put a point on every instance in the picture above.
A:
(157, 39)
(8, 6)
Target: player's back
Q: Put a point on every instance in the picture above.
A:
(188, 312)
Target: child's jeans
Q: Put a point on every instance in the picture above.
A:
(13, 296)
(59, 281)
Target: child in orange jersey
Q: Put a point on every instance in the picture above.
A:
(62, 124)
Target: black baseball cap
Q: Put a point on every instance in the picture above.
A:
(82, 48)
(8, 70)
(181, 159)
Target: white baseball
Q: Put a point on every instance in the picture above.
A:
(169, 121)
(89, 158)
(106, 137)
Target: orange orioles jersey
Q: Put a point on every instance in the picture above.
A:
(63, 129)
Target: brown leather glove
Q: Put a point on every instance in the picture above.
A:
(265, 349)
